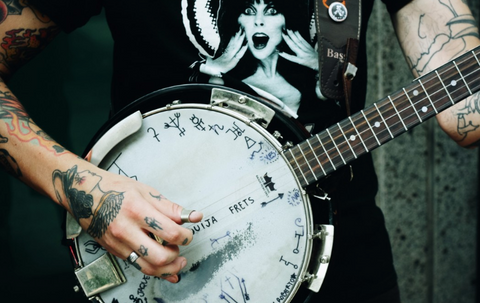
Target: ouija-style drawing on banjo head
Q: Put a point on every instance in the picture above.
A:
(258, 241)
(219, 158)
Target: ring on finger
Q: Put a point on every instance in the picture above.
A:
(132, 259)
(185, 215)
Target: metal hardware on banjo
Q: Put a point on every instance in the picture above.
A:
(218, 158)
(222, 159)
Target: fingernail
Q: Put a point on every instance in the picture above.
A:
(196, 216)
(172, 279)
(188, 216)
(183, 264)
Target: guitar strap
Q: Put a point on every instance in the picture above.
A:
(338, 32)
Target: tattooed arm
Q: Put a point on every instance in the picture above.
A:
(111, 208)
(432, 32)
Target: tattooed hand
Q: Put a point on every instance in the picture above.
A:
(120, 213)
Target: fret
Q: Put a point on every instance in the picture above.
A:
(382, 130)
(476, 58)
(321, 151)
(298, 165)
(450, 84)
(398, 114)
(384, 122)
(341, 143)
(461, 76)
(316, 157)
(443, 84)
(346, 140)
(394, 113)
(428, 96)
(326, 153)
(358, 134)
(371, 129)
(413, 106)
(336, 147)
(308, 164)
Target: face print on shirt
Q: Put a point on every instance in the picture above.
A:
(267, 45)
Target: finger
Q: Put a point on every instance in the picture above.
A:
(174, 211)
(297, 43)
(156, 260)
(241, 52)
(297, 38)
(235, 45)
(169, 272)
(292, 45)
(190, 216)
(167, 230)
(289, 57)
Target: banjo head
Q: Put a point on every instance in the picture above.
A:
(255, 241)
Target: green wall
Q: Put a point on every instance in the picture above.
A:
(66, 91)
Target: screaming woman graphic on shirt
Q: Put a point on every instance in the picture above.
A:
(267, 45)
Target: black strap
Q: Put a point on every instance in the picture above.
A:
(333, 39)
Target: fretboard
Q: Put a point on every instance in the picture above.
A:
(386, 119)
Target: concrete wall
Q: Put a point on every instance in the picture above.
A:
(428, 185)
(428, 189)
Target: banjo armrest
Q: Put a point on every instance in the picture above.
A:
(100, 275)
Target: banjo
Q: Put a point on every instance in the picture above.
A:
(225, 156)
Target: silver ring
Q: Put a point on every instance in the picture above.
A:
(185, 215)
(133, 257)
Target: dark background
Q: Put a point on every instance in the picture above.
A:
(432, 182)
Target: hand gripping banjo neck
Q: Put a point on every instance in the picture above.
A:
(386, 119)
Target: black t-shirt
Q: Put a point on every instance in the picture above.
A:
(158, 44)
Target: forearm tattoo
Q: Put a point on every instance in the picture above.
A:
(432, 39)
(19, 45)
(435, 35)
(466, 118)
(81, 192)
(20, 126)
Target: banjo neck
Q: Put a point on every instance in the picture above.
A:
(342, 143)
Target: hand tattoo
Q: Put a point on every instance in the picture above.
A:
(159, 197)
(153, 223)
(75, 188)
(143, 250)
